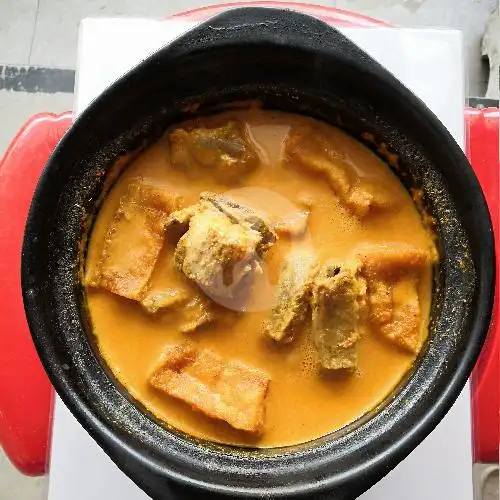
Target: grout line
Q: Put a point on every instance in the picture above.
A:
(34, 30)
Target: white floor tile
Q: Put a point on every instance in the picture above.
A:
(15, 486)
(17, 22)
(56, 31)
(15, 109)
(467, 15)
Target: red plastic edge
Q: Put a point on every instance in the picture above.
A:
(483, 153)
(338, 17)
(25, 391)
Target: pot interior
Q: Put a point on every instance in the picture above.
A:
(379, 141)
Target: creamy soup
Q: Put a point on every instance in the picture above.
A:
(258, 278)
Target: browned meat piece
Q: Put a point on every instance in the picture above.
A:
(338, 306)
(133, 240)
(312, 150)
(245, 216)
(197, 313)
(393, 275)
(293, 297)
(154, 301)
(221, 245)
(293, 225)
(214, 252)
(225, 153)
(225, 390)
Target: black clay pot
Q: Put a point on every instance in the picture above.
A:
(295, 63)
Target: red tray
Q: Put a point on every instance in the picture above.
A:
(25, 392)
(483, 151)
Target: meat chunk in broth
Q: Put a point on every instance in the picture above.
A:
(214, 252)
(338, 306)
(170, 298)
(178, 222)
(393, 274)
(197, 313)
(313, 151)
(133, 240)
(219, 249)
(225, 153)
(245, 216)
(225, 390)
(194, 310)
(293, 297)
(293, 225)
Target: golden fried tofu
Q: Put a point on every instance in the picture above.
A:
(380, 299)
(313, 151)
(133, 240)
(225, 153)
(338, 310)
(393, 260)
(393, 274)
(225, 390)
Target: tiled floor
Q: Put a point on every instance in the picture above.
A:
(15, 486)
(17, 107)
(44, 33)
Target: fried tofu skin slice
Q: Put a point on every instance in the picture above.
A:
(222, 243)
(224, 390)
(310, 149)
(225, 153)
(338, 311)
(293, 297)
(393, 275)
(133, 240)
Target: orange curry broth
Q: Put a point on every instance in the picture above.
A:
(301, 404)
